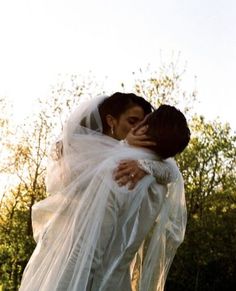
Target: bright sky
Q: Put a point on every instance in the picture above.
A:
(41, 38)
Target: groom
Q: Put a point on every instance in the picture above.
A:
(168, 127)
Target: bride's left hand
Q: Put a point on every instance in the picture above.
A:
(128, 173)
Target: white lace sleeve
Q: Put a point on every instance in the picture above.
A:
(165, 171)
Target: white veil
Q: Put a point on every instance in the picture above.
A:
(89, 230)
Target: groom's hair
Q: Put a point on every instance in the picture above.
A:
(168, 127)
(118, 103)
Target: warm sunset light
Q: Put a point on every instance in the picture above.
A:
(93, 203)
(41, 39)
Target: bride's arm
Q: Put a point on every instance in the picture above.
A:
(165, 171)
(131, 171)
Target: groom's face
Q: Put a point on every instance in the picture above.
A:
(127, 120)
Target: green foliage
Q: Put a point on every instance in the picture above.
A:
(206, 260)
(16, 242)
(24, 166)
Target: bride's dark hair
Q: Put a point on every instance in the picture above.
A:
(118, 103)
(168, 127)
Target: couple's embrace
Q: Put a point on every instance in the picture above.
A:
(101, 228)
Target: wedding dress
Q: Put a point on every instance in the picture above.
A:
(94, 235)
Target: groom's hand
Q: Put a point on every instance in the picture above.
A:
(128, 173)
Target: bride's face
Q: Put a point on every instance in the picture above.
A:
(127, 120)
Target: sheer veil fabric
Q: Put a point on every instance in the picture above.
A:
(93, 235)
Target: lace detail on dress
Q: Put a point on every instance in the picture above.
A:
(164, 171)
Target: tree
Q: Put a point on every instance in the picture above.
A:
(206, 259)
(26, 166)
(25, 149)
(165, 86)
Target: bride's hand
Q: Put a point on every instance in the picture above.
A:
(128, 173)
(137, 137)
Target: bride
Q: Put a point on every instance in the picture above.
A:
(94, 235)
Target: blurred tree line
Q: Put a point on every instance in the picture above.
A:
(206, 260)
